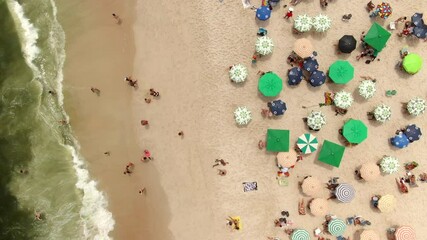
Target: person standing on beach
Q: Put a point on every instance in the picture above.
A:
(181, 134)
(118, 19)
(147, 155)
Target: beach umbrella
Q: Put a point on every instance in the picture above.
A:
(343, 99)
(369, 171)
(307, 143)
(405, 233)
(321, 23)
(387, 203)
(377, 37)
(355, 131)
(384, 10)
(287, 159)
(303, 23)
(303, 47)
(300, 234)
(319, 207)
(412, 63)
(341, 72)
(336, 227)
(317, 78)
(420, 32)
(263, 13)
(277, 107)
(316, 120)
(238, 73)
(295, 76)
(311, 186)
(310, 64)
(413, 132)
(369, 235)
(277, 140)
(382, 113)
(264, 45)
(345, 192)
(270, 84)
(347, 44)
(417, 20)
(389, 164)
(331, 153)
(400, 141)
(416, 106)
(367, 89)
(242, 115)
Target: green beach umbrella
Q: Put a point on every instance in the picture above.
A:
(270, 84)
(355, 131)
(367, 89)
(315, 120)
(331, 153)
(303, 23)
(382, 113)
(377, 37)
(416, 106)
(264, 45)
(336, 227)
(238, 73)
(277, 140)
(341, 72)
(389, 164)
(242, 115)
(307, 143)
(412, 63)
(343, 99)
(300, 234)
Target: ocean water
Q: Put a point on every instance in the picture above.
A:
(40, 165)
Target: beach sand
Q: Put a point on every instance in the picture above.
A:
(183, 50)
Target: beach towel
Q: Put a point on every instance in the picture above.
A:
(283, 181)
(250, 186)
(246, 4)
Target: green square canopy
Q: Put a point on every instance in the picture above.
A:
(270, 84)
(331, 153)
(355, 131)
(377, 37)
(277, 140)
(341, 72)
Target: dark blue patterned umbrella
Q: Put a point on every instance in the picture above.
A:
(295, 76)
(277, 107)
(417, 19)
(420, 32)
(317, 78)
(400, 141)
(263, 13)
(310, 64)
(413, 132)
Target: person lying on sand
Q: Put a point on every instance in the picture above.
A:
(95, 90)
(220, 161)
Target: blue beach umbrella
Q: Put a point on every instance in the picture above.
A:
(295, 76)
(317, 78)
(263, 13)
(417, 19)
(420, 32)
(400, 141)
(310, 64)
(413, 132)
(277, 107)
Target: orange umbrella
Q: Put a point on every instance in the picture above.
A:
(303, 47)
(319, 207)
(369, 235)
(311, 186)
(287, 159)
(387, 203)
(405, 233)
(370, 171)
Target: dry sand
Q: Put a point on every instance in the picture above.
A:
(183, 49)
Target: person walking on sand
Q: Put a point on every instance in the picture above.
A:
(118, 19)
(289, 14)
(181, 133)
(154, 93)
(147, 100)
(142, 190)
(95, 90)
(144, 122)
(220, 161)
(222, 172)
(129, 168)
(147, 155)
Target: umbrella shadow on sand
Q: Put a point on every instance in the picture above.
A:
(262, 24)
(401, 72)
(411, 41)
(405, 112)
(238, 85)
(357, 98)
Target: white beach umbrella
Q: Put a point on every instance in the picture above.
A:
(238, 73)
(367, 89)
(242, 115)
(416, 106)
(389, 164)
(264, 45)
(321, 23)
(343, 99)
(382, 113)
(303, 23)
(316, 120)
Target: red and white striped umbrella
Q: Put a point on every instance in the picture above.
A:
(405, 233)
